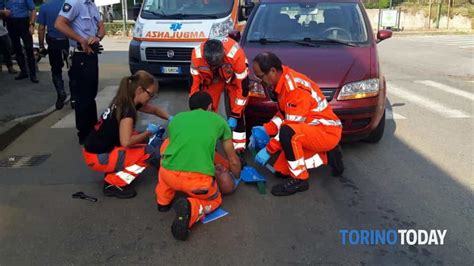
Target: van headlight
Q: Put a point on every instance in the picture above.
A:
(138, 30)
(221, 29)
(359, 90)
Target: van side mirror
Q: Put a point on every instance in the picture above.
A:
(235, 35)
(383, 35)
(136, 11)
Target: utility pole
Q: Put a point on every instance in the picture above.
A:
(429, 15)
(124, 17)
(449, 9)
(439, 14)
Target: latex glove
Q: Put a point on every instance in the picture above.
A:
(232, 123)
(259, 138)
(262, 157)
(152, 128)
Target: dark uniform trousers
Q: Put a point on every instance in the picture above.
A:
(57, 50)
(84, 81)
(18, 28)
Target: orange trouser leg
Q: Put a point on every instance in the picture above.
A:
(307, 146)
(204, 195)
(121, 165)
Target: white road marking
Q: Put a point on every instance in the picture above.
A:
(103, 99)
(448, 89)
(427, 103)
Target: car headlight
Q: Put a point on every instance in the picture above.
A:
(138, 30)
(221, 29)
(359, 90)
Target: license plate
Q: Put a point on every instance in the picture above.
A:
(171, 70)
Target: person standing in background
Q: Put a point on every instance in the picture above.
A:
(21, 25)
(5, 43)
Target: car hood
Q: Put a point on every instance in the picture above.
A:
(329, 66)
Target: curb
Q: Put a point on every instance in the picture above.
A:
(16, 127)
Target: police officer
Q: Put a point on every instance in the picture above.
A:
(21, 25)
(58, 45)
(80, 21)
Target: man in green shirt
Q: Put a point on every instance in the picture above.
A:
(187, 163)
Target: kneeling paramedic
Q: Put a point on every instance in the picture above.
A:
(303, 130)
(113, 147)
(216, 65)
(187, 163)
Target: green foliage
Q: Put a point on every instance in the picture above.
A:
(115, 28)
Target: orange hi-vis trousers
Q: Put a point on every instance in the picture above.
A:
(304, 147)
(121, 165)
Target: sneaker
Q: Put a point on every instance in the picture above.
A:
(22, 75)
(164, 208)
(60, 101)
(335, 161)
(125, 192)
(179, 228)
(289, 187)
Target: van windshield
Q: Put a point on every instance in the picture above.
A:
(186, 9)
(323, 22)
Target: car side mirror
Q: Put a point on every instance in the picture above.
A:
(246, 10)
(383, 35)
(136, 11)
(235, 35)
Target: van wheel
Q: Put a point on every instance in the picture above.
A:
(376, 135)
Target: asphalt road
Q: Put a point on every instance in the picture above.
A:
(420, 176)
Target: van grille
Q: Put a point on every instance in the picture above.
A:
(161, 54)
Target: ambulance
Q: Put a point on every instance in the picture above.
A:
(166, 31)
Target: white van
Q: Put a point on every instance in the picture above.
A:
(166, 31)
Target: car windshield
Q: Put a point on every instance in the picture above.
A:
(331, 23)
(186, 9)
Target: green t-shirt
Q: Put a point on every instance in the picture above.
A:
(193, 136)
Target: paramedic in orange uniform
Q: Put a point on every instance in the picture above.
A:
(216, 65)
(113, 147)
(187, 164)
(304, 128)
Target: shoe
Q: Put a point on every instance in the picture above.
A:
(60, 101)
(73, 104)
(335, 161)
(289, 187)
(22, 75)
(179, 228)
(11, 70)
(164, 208)
(125, 192)
(34, 79)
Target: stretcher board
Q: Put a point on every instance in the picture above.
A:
(217, 214)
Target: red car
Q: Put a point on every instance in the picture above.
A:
(333, 44)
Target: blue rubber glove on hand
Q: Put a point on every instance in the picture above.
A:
(232, 123)
(262, 157)
(152, 128)
(259, 138)
(170, 118)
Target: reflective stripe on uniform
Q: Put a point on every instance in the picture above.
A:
(303, 82)
(289, 82)
(137, 169)
(198, 51)
(321, 106)
(233, 50)
(296, 167)
(240, 102)
(277, 121)
(239, 135)
(277, 137)
(313, 162)
(242, 75)
(296, 118)
(326, 122)
(238, 145)
(193, 70)
(126, 177)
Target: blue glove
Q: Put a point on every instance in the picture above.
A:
(259, 138)
(232, 123)
(170, 118)
(262, 157)
(152, 128)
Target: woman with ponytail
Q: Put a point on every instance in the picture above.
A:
(113, 146)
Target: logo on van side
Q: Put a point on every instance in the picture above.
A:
(176, 35)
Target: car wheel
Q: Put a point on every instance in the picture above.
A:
(376, 135)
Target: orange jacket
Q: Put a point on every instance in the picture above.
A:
(299, 101)
(232, 72)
